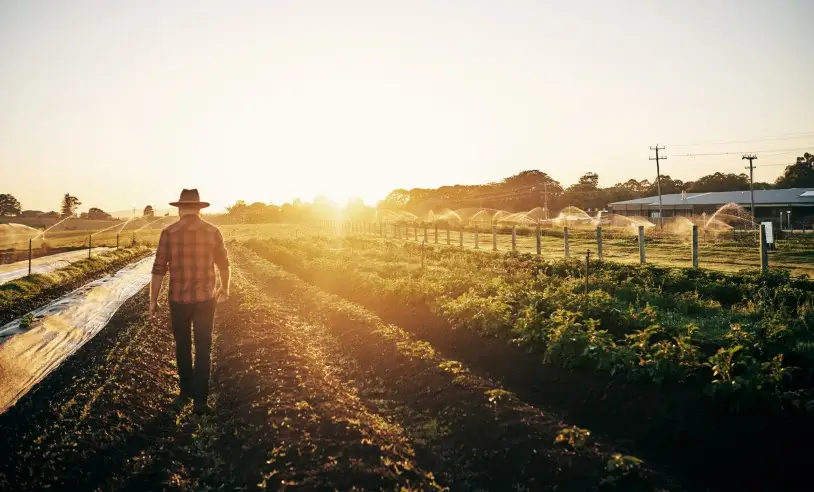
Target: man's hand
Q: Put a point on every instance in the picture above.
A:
(153, 310)
(223, 295)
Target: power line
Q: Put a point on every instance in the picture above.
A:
(776, 164)
(788, 136)
(705, 154)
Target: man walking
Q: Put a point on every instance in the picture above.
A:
(190, 249)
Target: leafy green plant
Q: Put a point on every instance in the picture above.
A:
(574, 436)
(27, 321)
(572, 343)
(620, 467)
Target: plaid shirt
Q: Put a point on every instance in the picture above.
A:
(189, 249)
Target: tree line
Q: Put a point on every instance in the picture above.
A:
(11, 206)
(530, 189)
(521, 192)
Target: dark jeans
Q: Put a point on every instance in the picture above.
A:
(200, 315)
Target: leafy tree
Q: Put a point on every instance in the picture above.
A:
(798, 175)
(356, 209)
(238, 208)
(585, 193)
(527, 190)
(98, 214)
(9, 205)
(69, 205)
(719, 182)
(148, 211)
(668, 186)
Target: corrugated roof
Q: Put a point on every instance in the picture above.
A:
(790, 195)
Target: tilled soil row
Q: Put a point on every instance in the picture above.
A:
(469, 432)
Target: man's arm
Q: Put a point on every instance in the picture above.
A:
(222, 262)
(160, 267)
(155, 290)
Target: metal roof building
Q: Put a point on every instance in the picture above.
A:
(769, 204)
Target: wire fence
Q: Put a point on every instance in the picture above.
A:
(728, 251)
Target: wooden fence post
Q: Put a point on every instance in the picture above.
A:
(565, 241)
(764, 252)
(642, 258)
(514, 238)
(599, 242)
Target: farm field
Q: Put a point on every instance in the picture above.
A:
(309, 390)
(341, 362)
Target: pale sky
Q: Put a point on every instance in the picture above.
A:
(123, 103)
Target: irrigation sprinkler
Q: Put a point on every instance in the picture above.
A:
(539, 242)
(514, 238)
(565, 241)
(764, 252)
(694, 246)
(29, 256)
(477, 246)
(642, 259)
(436, 233)
(425, 233)
(90, 244)
(117, 240)
(461, 236)
(587, 268)
(599, 243)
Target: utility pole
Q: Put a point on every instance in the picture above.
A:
(751, 168)
(658, 181)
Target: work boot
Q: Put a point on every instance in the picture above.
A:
(180, 402)
(201, 408)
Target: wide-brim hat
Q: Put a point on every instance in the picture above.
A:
(190, 198)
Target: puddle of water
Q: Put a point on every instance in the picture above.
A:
(27, 355)
(44, 264)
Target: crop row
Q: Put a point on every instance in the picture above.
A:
(745, 339)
